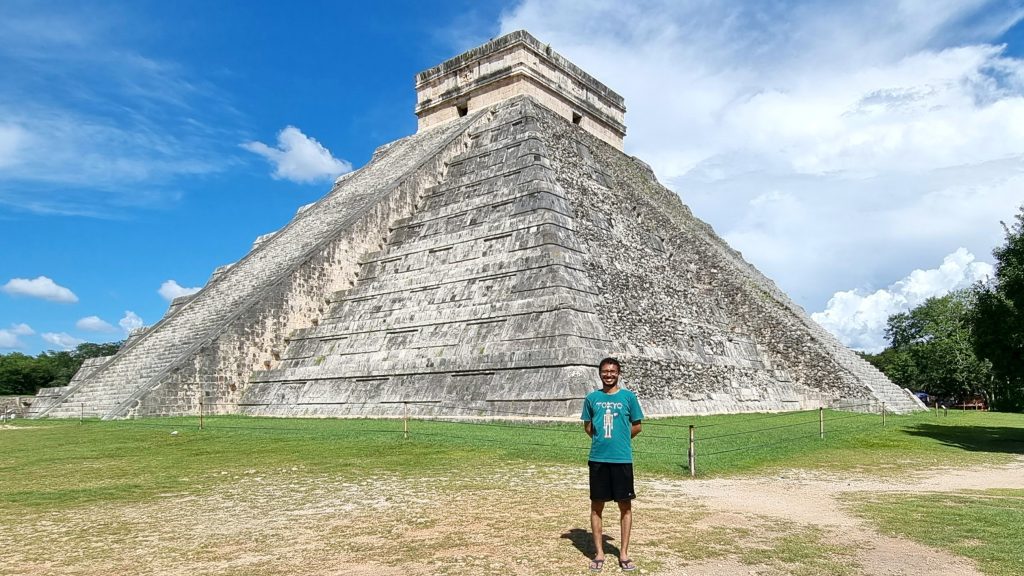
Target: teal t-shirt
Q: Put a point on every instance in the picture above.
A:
(612, 416)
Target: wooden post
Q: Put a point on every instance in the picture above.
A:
(883, 414)
(821, 422)
(405, 420)
(81, 415)
(200, 414)
(692, 456)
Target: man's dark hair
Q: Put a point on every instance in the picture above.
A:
(609, 360)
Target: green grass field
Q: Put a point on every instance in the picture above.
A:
(62, 463)
(55, 467)
(981, 525)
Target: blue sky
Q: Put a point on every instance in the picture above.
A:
(860, 154)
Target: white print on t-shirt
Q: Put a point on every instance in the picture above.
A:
(609, 422)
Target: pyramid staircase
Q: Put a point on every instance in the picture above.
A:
(478, 304)
(114, 389)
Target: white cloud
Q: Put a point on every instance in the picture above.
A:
(82, 110)
(62, 340)
(130, 322)
(835, 144)
(21, 329)
(9, 339)
(170, 290)
(12, 138)
(9, 336)
(94, 324)
(299, 158)
(40, 287)
(858, 318)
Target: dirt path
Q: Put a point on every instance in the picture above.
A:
(813, 500)
(523, 521)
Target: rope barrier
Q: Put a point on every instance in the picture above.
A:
(815, 421)
(638, 450)
(856, 415)
(815, 435)
(491, 417)
(765, 416)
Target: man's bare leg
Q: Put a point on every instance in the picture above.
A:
(596, 508)
(625, 525)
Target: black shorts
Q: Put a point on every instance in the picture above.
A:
(611, 481)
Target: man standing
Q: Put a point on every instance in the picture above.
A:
(612, 417)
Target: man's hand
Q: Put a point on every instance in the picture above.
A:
(638, 426)
(589, 428)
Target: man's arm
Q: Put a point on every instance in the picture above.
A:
(638, 413)
(588, 426)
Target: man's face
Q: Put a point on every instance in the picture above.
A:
(609, 375)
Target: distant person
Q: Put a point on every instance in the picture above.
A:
(618, 417)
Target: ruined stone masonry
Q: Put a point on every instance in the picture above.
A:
(481, 268)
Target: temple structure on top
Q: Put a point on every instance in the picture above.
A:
(512, 65)
(481, 268)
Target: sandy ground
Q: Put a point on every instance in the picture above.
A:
(499, 521)
(813, 500)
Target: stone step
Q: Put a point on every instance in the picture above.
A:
(533, 266)
(411, 241)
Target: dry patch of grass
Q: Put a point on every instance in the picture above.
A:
(527, 520)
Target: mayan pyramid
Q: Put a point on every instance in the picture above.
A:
(482, 267)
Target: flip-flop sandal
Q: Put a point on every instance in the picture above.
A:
(627, 565)
(596, 565)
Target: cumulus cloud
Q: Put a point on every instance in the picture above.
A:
(299, 158)
(39, 287)
(94, 324)
(9, 340)
(170, 290)
(858, 318)
(62, 340)
(130, 322)
(21, 329)
(9, 336)
(835, 144)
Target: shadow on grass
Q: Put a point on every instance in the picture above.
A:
(584, 542)
(974, 438)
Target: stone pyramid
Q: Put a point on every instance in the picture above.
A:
(481, 268)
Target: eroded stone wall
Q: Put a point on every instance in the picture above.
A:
(701, 330)
(475, 307)
(253, 341)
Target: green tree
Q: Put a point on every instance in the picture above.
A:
(998, 319)
(59, 366)
(23, 374)
(932, 349)
(90, 350)
(898, 365)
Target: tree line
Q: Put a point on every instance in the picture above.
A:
(967, 343)
(21, 374)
